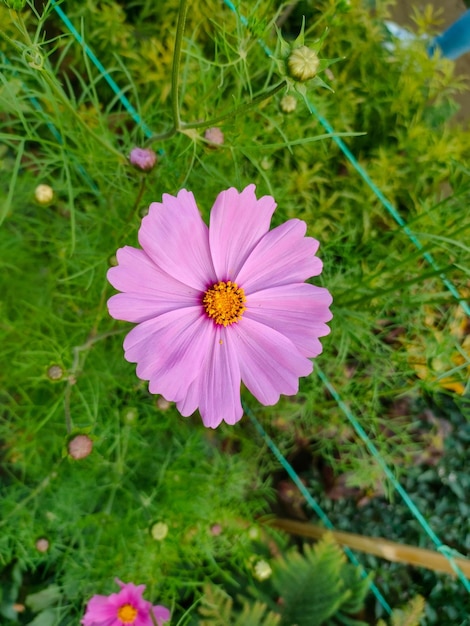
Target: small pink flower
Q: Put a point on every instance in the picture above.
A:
(220, 305)
(143, 158)
(125, 608)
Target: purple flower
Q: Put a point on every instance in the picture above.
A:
(126, 608)
(220, 305)
(143, 158)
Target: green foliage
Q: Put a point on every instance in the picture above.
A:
(216, 609)
(319, 587)
(410, 615)
(314, 589)
(396, 330)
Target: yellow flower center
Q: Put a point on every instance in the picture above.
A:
(224, 302)
(127, 614)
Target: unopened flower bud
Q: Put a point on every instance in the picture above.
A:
(42, 544)
(130, 414)
(214, 136)
(262, 570)
(303, 63)
(163, 404)
(55, 372)
(143, 158)
(80, 447)
(44, 194)
(216, 530)
(266, 163)
(254, 533)
(159, 531)
(288, 104)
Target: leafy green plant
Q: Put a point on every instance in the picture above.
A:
(315, 588)
(395, 332)
(217, 609)
(319, 587)
(410, 615)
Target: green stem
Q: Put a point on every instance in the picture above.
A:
(65, 101)
(58, 92)
(183, 10)
(32, 494)
(139, 197)
(242, 108)
(160, 137)
(76, 369)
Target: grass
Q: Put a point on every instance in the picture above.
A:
(397, 332)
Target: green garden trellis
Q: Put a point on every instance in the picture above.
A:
(441, 547)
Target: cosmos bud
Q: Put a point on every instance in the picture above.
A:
(44, 194)
(303, 63)
(80, 447)
(143, 158)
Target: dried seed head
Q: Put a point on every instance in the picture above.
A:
(80, 447)
(303, 63)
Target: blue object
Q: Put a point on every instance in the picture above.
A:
(454, 41)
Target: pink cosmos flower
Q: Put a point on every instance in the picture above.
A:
(126, 608)
(220, 305)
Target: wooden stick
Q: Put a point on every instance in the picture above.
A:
(377, 546)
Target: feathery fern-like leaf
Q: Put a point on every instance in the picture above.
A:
(409, 615)
(217, 609)
(358, 585)
(256, 615)
(311, 586)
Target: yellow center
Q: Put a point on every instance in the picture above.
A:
(127, 614)
(224, 302)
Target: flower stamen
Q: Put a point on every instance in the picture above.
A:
(127, 614)
(224, 302)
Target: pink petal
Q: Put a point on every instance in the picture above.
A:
(137, 308)
(217, 388)
(149, 291)
(98, 610)
(137, 274)
(270, 364)
(134, 589)
(189, 401)
(170, 350)
(162, 614)
(237, 223)
(298, 311)
(284, 255)
(175, 237)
